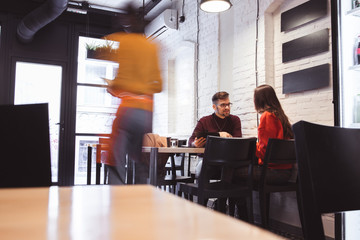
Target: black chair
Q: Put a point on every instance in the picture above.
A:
(102, 151)
(224, 154)
(329, 179)
(169, 180)
(278, 151)
(25, 146)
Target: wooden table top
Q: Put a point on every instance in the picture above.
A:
(113, 212)
(176, 150)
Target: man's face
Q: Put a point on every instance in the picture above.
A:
(222, 108)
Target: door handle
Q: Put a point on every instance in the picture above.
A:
(61, 124)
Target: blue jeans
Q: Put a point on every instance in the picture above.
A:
(128, 131)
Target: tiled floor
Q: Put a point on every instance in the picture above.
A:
(284, 234)
(287, 235)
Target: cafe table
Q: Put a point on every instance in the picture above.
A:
(113, 212)
(156, 151)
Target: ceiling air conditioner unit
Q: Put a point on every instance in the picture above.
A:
(166, 20)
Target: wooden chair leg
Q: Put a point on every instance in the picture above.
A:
(183, 164)
(250, 209)
(221, 206)
(267, 209)
(232, 202)
(300, 209)
(180, 194)
(202, 201)
(105, 174)
(186, 196)
(262, 203)
(191, 198)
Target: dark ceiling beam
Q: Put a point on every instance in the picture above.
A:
(149, 6)
(18, 7)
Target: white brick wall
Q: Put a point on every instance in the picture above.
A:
(270, 66)
(169, 43)
(207, 70)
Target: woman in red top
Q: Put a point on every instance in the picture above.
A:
(273, 124)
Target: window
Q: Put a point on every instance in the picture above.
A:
(95, 108)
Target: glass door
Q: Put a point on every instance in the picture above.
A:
(348, 50)
(95, 107)
(349, 64)
(32, 87)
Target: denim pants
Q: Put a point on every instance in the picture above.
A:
(128, 131)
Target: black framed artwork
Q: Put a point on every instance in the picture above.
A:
(303, 14)
(306, 79)
(309, 45)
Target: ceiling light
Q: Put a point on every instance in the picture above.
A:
(215, 5)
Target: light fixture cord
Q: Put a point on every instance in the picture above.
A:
(197, 64)
(256, 53)
(182, 8)
(256, 42)
(87, 28)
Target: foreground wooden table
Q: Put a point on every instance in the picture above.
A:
(113, 212)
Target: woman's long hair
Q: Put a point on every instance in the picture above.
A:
(265, 99)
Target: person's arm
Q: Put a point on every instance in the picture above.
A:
(225, 135)
(237, 127)
(199, 128)
(155, 83)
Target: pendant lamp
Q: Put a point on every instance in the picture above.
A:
(215, 5)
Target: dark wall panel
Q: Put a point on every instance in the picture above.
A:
(303, 14)
(308, 45)
(308, 79)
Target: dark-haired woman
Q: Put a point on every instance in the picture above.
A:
(273, 124)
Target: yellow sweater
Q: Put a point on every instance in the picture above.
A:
(138, 77)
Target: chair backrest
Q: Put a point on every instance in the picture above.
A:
(329, 166)
(280, 151)
(104, 140)
(227, 152)
(24, 146)
(102, 149)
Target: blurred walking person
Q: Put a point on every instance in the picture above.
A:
(138, 78)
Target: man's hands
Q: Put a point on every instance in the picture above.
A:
(225, 134)
(199, 142)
